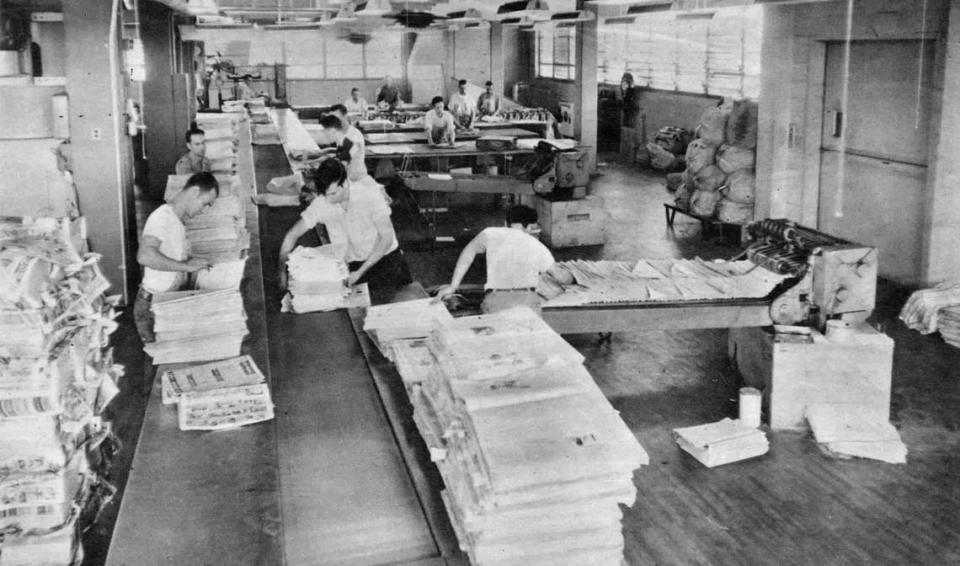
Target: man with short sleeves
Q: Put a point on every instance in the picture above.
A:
(463, 108)
(356, 105)
(489, 102)
(515, 261)
(358, 220)
(439, 124)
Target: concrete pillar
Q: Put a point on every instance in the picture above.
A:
(163, 137)
(941, 261)
(102, 152)
(497, 53)
(585, 126)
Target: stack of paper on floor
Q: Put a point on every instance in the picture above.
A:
(221, 394)
(316, 282)
(218, 234)
(948, 321)
(856, 431)
(535, 461)
(722, 442)
(406, 320)
(922, 310)
(197, 325)
(575, 283)
(56, 376)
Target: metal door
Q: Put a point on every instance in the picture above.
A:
(873, 164)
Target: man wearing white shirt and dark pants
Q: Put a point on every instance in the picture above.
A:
(515, 260)
(463, 108)
(357, 218)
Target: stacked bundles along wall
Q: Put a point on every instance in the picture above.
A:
(56, 376)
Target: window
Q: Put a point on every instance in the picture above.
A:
(718, 55)
(557, 53)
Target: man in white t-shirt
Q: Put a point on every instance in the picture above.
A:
(164, 250)
(463, 108)
(515, 260)
(439, 124)
(357, 219)
(356, 105)
(351, 148)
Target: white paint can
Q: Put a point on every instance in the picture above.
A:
(750, 406)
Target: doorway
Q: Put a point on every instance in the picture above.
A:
(873, 154)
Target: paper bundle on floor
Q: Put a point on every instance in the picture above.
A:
(856, 431)
(722, 442)
(531, 442)
(196, 326)
(316, 282)
(403, 321)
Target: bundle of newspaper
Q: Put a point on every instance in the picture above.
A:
(849, 430)
(200, 325)
(316, 281)
(578, 282)
(219, 126)
(534, 459)
(218, 234)
(403, 321)
(722, 442)
(216, 395)
(56, 376)
(922, 310)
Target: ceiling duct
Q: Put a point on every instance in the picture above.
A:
(536, 10)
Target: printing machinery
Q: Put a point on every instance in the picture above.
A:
(822, 277)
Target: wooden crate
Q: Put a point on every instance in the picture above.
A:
(569, 223)
(854, 370)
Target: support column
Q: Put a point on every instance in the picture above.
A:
(497, 74)
(585, 126)
(102, 152)
(939, 262)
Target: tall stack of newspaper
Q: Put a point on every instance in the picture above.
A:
(535, 461)
(316, 281)
(221, 135)
(217, 395)
(394, 325)
(200, 325)
(56, 376)
(219, 233)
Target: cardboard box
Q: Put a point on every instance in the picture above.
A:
(569, 223)
(849, 368)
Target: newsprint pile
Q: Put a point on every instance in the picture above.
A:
(56, 377)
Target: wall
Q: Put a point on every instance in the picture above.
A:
(103, 163)
(27, 111)
(791, 104)
(659, 108)
(324, 92)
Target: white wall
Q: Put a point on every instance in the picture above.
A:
(788, 159)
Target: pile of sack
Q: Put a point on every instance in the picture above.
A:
(668, 147)
(719, 179)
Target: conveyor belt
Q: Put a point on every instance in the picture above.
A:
(658, 316)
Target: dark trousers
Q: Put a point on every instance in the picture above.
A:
(386, 276)
(144, 320)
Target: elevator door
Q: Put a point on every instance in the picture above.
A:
(873, 163)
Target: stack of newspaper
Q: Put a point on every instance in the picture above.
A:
(404, 321)
(722, 442)
(56, 376)
(535, 461)
(198, 325)
(316, 282)
(222, 394)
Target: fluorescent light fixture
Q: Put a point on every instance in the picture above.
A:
(659, 6)
(696, 15)
(620, 20)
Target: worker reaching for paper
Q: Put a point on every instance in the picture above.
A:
(357, 218)
(439, 124)
(515, 260)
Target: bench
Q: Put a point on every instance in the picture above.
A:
(709, 224)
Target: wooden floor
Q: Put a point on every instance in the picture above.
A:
(793, 506)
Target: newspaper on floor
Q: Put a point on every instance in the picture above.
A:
(722, 442)
(850, 430)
